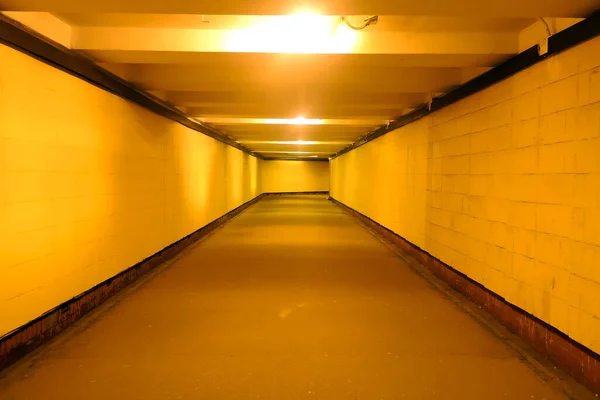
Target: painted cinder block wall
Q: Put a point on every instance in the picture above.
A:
(503, 186)
(294, 176)
(91, 184)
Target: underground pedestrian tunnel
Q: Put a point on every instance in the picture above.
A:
(299, 200)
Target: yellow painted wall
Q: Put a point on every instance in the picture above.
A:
(91, 184)
(294, 176)
(503, 186)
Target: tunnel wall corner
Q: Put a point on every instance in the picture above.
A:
(93, 184)
(290, 176)
(502, 187)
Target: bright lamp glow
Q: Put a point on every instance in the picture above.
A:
(369, 122)
(267, 121)
(297, 142)
(293, 121)
(300, 33)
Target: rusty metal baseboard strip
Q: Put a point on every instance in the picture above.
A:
(18, 343)
(575, 359)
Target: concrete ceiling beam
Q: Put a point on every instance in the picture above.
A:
(214, 60)
(45, 24)
(223, 40)
(371, 80)
(243, 97)
(294, 110)
(475, 8)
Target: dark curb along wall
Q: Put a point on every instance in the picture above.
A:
(27, 338)
(24, 339)
(579, 361)
(574, 358)
(18, 343)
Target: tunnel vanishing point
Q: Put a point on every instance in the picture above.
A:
(299, 200)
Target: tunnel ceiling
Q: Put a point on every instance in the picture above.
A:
(292, 80)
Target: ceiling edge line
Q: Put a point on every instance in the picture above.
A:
(576, 34)
(27, 41)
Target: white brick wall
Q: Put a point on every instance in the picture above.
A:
(91, 184)
(512, 188)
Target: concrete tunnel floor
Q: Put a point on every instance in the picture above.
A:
(292, 299)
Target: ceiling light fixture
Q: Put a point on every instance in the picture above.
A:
(298, 142)
(291, 121)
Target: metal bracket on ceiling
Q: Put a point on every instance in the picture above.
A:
(543, 43)
(429, 101)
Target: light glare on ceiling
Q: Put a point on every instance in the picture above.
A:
(293, 121)
(302, 33)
